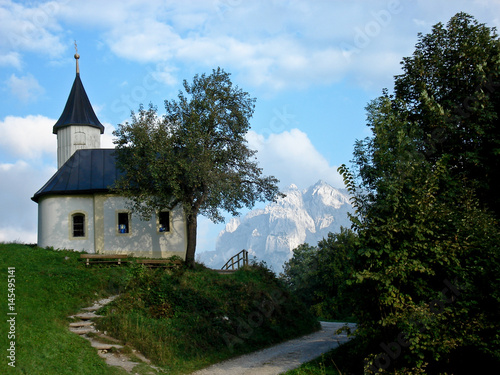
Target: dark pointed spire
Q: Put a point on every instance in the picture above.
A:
(78, 110)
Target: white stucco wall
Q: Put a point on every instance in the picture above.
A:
(54, 227)
(143, 239)
(102, 235)
(75, 137)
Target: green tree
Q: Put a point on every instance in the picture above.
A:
(429, 253)
(300, 273)
(336, 257)
(318, 274)
(195, 156)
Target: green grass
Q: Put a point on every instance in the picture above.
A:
(182, 320)
(320, 366)
(49, 286)
(347, 359)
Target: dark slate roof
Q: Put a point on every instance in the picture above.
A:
(85, 172)
(78, 110)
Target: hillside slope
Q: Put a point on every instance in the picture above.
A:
(48, 286)
(181, 319)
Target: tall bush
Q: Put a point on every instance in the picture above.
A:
(427, 270)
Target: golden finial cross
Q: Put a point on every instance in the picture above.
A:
(77, 56)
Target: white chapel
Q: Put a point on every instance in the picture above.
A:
(77, 208)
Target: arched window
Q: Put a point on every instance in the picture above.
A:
(78, 225)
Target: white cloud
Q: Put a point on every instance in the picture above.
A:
(28, 137)
(107, 137)
(18, 235)
(35, 29)
(278, 45)
(292, 158)
(11, 59)
(164, 73)
(145, 41)
(26, 88)
(277, 62)
(18, 221)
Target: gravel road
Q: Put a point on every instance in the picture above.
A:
(283, 357)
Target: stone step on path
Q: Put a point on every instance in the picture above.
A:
(82, 331)
(81, 323)
(99, 341)
(87, 316)
(92, 308)
(103, 346)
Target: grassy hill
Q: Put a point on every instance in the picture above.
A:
(182, 320)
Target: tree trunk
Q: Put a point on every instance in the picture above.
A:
(192, 223)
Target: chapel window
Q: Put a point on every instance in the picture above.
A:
(78, 225)
(123, 222)
(164, 221)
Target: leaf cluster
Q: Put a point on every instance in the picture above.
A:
(449, 90)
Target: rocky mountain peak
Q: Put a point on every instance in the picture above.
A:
(271, 234)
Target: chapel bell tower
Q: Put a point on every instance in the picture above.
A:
(78, 127)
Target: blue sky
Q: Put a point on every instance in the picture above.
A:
(313, 66)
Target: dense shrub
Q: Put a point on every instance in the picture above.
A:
(173, 316)
(318, 275)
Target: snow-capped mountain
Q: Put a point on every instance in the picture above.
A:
(271, 234)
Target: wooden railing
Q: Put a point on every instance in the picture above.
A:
(239, 260)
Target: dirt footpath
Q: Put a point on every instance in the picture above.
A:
(282, 357)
